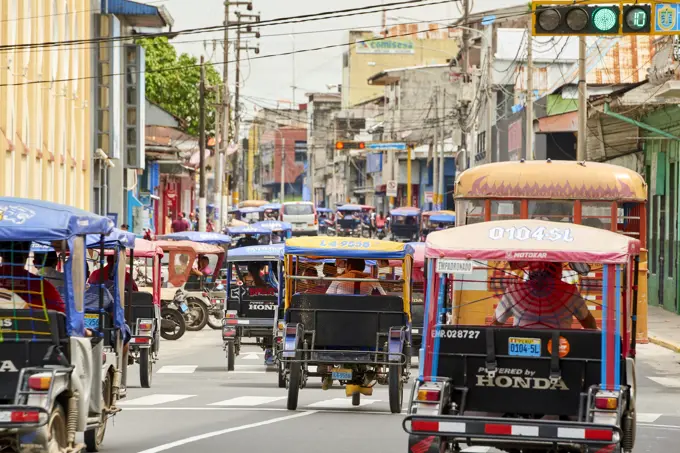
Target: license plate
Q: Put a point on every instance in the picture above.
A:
(341, 374)
(92, 321)
(184, 307)
(5, 417)
(524, 347)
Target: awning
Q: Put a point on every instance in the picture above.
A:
(138, 14)
(565, 122)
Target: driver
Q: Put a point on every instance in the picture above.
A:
(355, 269)
(543, 301)
(108, 271)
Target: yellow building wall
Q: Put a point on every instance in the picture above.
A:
(45, 101)
(355, 88)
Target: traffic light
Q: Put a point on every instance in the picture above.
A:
(627, 17)
(350, 145)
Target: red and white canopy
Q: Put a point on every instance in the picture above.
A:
(531, 240)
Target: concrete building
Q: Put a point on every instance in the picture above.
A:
(47, 101)
(369, 54)
(119, 114)
(321, 108)
(283, 152)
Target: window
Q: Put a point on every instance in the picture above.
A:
(300, 151)
(470, 211)
(554, 211)
(597, 214)
(297, 209)
(481, 147)
(505, 210)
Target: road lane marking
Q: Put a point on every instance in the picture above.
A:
(251, 356)
(177, 369)
(341, 402)
(188, 440)
(153, 400)
(247, 372)
(647, 418)
(248, 401)
(666, 381)
(256, 409)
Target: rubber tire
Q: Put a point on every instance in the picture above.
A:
(94, 438)
(57, 420)
(203, 308)
(282, 375)
(145, 368)
(396, 388)
(356, 399)
(178, 319)
(437, 445)
(294, 385)
(231, 355)
(214, 325)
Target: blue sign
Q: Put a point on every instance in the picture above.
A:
(666, 18)
(385, 146)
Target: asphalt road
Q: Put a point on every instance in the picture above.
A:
(195, 405)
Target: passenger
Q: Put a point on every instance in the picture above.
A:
(355, 269)
(544, 301)
(254, 277)
(33, 289)
(109, 274)
(203, 268)
(48, 270)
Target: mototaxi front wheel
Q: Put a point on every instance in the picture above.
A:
(174, 326)
(197, 315)
(395, 389)
(294, 385)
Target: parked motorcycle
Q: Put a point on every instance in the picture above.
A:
(217, 308)
(196, 317)
(173, 324)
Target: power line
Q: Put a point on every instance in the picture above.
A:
(325, 15)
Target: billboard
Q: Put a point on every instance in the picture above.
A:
(386, 46)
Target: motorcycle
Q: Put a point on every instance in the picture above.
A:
(196, 317)
(380, 232)
(216, 309)
(173, 324)
(327, 228)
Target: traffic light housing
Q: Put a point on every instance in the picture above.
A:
(590, 18)
(350, 145)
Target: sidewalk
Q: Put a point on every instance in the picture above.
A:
(664, 328)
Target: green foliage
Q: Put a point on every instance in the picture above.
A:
(172, 82)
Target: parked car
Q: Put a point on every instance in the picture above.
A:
(302, 215)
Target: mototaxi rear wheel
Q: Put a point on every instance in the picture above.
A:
(95, 437)
(57, 431)
(175, 319)
(395, 389)
(231, 355)
(145, 368)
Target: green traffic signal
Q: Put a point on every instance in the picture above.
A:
(605, 20)
(556, 20)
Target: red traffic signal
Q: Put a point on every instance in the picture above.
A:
(350, 145)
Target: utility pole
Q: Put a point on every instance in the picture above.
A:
(490, 98)
(282, 190)
(466, 63)
(219, 173)
(201, 149)
(582, 101)
(440, 183)
(222, 144)
(435, 161)
(529, 151)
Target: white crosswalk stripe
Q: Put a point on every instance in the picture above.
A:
(248, 401)
(153, 400)
(666, 381)
(647, 418)
(337, 403)
(177, 369)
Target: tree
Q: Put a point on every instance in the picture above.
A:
(172, 82)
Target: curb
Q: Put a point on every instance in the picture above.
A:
(664, 344)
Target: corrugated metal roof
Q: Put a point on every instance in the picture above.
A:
(136, 9)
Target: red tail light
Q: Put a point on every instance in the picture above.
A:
(25, 417)
(605, 402)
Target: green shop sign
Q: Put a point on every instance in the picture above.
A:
(393, 46)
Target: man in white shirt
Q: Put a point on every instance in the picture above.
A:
(355, 269)
(49, 269)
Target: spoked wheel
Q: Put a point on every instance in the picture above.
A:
(294, 385)
(173, 325)
(396, 388)
(215, 319)
(145, 368)
(231, 355)
(95, 437)
(197, 316)
(57, 432)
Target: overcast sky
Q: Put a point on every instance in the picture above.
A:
(268, 80)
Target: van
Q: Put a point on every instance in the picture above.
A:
(302, 215)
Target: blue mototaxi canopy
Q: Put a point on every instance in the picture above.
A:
(323, 210)
(406, 212)
(248, 230)
(198, 236)
(24, 219)
(386, 252)
(117, 238)
(443, 218)
(350, 207)
(305, 259)
(250, 210)
(274, 225)
(272, 206)
(273, 252)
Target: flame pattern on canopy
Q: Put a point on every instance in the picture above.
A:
(480, 188)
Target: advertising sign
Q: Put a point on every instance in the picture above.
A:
(386, 46)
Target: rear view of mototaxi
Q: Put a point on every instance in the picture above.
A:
(530, 339)
(52, 383)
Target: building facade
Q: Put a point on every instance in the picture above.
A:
(47, 101)
(283, 153)
(321, 108)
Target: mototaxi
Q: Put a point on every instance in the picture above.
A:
(243, 236)
(280, 231)
(437, 220)
(272, 211)
(348, 220)
(326, 221)
(180, 284)
(252, 311)
(522, 381)
(250, 214)
(405, 224)
(358, 340)
(53, 386)
(417, 291)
